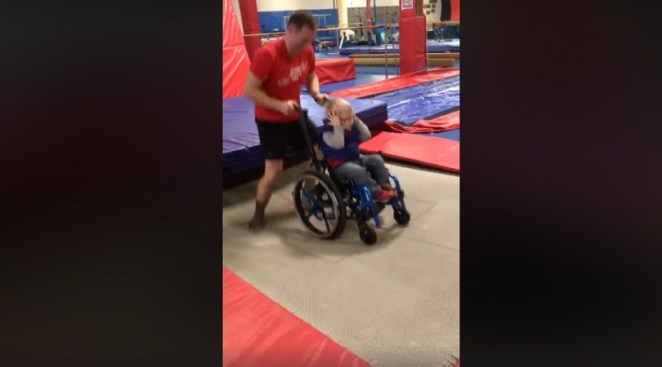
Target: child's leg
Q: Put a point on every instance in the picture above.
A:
(374, 163)
(352, 170)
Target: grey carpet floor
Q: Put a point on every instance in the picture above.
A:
(393, 304)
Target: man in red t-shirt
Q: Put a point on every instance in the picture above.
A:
(274, 82)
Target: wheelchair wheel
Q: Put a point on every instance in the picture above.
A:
(402, 217)
(319, 205)
(367, 234)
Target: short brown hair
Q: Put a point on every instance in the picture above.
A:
(301, 18)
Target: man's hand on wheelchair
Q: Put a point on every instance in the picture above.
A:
(321, 98)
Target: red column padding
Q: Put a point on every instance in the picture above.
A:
(235, 58)
(455, 9)
(251, 23)
(412, 43)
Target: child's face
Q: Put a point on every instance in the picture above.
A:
(346, 117)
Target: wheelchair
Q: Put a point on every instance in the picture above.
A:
(324, 202)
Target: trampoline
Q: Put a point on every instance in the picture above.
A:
(423, 101)
(433, 46)
(241, 144)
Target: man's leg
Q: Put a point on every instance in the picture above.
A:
(273, 140)
(272, 169)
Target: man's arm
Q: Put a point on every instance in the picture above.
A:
(313, 86)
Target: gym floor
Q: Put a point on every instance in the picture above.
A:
(395, 303)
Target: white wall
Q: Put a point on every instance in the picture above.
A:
(274, 5)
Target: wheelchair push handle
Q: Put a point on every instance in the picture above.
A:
(303, 124)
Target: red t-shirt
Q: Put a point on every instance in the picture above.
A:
(282, 76)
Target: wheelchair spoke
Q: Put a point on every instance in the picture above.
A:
(317, 197)
(326, 221)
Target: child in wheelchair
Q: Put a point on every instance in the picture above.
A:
(340, 141)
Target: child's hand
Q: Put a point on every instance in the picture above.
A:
(334, 120)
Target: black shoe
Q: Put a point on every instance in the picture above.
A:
(257, 224)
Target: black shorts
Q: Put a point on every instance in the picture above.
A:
(276, 138)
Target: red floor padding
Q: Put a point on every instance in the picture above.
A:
(428, 151)
(334, 70)
(442, 123)
(259, 332)
(398, 82)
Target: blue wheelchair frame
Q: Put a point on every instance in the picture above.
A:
(366, 201)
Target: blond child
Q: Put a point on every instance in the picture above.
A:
(340, 141)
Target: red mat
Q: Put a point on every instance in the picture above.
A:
(258, 332)
(235, 56)
(442, 123)
(334, 70)
(428, 151)
(398, 82)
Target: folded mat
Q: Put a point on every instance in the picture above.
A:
(449, 121)
(428, 151)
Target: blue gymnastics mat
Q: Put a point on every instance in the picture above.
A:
(241, 143)
(360, 79)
